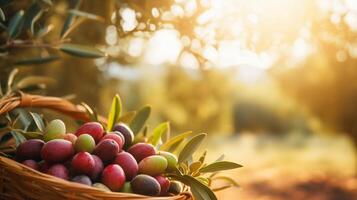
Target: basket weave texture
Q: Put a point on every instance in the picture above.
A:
(19, 182)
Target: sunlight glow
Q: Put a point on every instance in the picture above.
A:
(301, 49)
(240, 34)
(129, 21)
(188, 60)
(164, 46)
(135, 48)
(111, 36)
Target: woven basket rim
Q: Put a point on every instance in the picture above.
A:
(51, 179)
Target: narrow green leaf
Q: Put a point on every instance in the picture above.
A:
(23, 117)
(175, 140)
(127, 117)
(19, 138)
(203, 180)
(114, 114)
(199, 190)
(191, 146)
(195, 166)
(10, 81)
(15, 24)
(33, 81)
(32, 135)
(140, 119)
(92, 114)
(177, 171)
(86, 15)
(227, 179)
(176, 148)
(221, 188)
(70, 18)
(157, 133)
(38, 121)
(32, 14)
(168, 135)
(184, 168)
(219, 166)
(37, 60)
(145, 131)
(81, 50)
(2, 15)
(44, 31)
(203, 157)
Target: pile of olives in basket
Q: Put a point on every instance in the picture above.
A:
(107, 160)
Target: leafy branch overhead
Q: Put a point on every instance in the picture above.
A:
(28, 28)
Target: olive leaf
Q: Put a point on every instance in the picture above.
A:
(92, 113)
(10, 81)
(140, 119)
(199, 190)
(2, 15)
(23, 118)
(167, 135)
(44, 30)
(114, 114)
(127, 117)
(86, 15)
(220, 166)
(203, 180)
(231, 183)
(203, 157)
(176, 170)
(37, 60)
(19, 138)
(191, 146)
(157, 133)
(15, 24)
(70, 18)
(31, 134)
(145, 131)
(195, 167)
(38, 121)
(227, 179)
(221, 188)
(175, 140)
(183, 167)
(81, 50)
(34, 80)
(33, 13)
(176, 147)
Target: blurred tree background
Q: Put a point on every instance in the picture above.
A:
(275, 67)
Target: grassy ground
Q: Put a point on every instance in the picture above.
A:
(315, 167)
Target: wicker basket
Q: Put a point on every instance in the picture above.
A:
(20, 182)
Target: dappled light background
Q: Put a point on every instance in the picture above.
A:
(273, 83)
